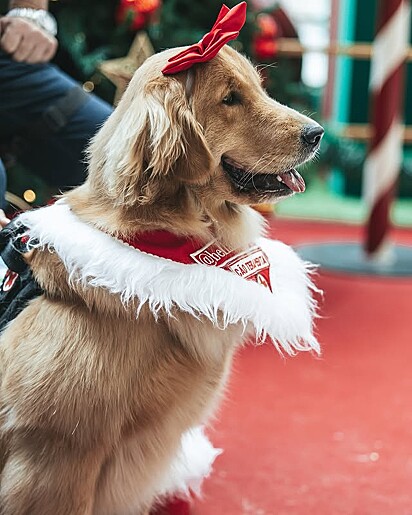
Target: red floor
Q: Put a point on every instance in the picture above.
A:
(326, 436)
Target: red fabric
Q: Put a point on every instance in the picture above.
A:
(250, 263)
(173, 506)
(227, 27)
(166, 245)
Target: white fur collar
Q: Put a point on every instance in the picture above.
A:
(95, 258)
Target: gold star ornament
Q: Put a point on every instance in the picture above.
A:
(121, 70)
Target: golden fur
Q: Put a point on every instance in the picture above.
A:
(94, 401)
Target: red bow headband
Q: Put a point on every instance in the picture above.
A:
(226, 27)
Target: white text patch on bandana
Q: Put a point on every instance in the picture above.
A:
(251, 264)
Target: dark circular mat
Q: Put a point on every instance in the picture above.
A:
(350, 258)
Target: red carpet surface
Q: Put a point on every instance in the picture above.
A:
(329, 435)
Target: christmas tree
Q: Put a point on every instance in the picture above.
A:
(93, 34)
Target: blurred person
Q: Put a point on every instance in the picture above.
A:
(47, 110)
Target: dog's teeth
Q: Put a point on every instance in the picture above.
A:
(279, 178)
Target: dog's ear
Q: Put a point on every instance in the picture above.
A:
(176, 138)
(150, 135)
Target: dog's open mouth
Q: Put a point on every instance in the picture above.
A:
(246, 181)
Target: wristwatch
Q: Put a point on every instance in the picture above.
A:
(40, 17)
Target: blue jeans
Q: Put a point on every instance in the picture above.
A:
(26, 91)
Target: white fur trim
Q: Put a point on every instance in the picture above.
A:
(99, 260)
(192, 464)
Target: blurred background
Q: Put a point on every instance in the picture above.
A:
(321, 436)
(303, 72)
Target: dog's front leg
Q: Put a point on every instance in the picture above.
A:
(46, 476)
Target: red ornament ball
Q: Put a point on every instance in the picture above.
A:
(136, 12)
(267, 26)
(265, 49)
(264, 43)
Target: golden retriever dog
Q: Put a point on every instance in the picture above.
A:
(101, 379)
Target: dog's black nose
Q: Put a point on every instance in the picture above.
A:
(312, 134)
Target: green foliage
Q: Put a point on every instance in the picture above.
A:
(88, 35)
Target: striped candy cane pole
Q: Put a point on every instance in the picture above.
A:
(383, 163)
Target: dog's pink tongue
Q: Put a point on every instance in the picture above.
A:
(293, 180)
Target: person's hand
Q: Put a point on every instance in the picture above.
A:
(25, 41)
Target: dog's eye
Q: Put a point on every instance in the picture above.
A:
(231, 99)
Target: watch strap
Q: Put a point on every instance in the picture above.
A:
(40, 17)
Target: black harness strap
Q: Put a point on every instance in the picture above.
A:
(18, 286)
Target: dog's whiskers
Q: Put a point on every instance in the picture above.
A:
(261, 67)
(246, 178)
(262, 159)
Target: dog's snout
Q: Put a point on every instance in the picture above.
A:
(312, 134)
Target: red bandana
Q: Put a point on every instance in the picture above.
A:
(227, 27)
(251, 263)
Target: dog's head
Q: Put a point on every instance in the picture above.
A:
(211, 130)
